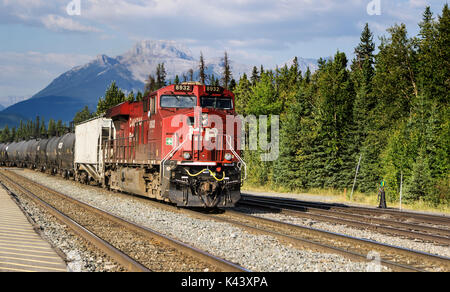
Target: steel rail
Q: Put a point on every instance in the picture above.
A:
(424, 218)
(203, 256)
(412, 231)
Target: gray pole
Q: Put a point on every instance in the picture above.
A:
(354, 182)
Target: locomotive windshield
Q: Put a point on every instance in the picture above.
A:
(217, 103)
(178, 101)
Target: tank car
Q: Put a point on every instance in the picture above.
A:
(13, 152)
(3, 153)
(52, 155)
(65, 155)
(41, 154)
(22, 153)
(31, 151)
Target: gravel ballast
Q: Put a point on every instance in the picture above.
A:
(258, 253)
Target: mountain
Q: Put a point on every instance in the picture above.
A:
(304, 64)
(84, 85)
(89, 82)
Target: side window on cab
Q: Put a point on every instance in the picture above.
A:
(146, 104)
(153, 105)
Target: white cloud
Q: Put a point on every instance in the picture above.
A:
(59, 23)
(49, 14)
(220, 12)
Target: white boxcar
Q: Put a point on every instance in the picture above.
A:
(89, 137)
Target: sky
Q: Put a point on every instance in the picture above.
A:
(41, 39)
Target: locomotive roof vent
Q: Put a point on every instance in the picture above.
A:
(191, 83)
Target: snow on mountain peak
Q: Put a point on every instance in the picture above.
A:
(160, 49)
(104, 60)
(145, 56)
(304, 64)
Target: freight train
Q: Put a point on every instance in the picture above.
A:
(179, 145)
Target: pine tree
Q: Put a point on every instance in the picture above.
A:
(20, 131)
(139, 96)
(364, 51)
(226, 75)
(442, 57)
(150, 84)
(395, 88)
(36, 130)
(335, 105)
(213, 80)
(242, 94)
(308, 75)
(264, 99)
(232, 85)
(82, 115)
(13, 137)
(59, 128)
(113, 97)
(43, 130)
(419, 186)
(160, 76)
(51, 128)
(255, 76)
(202, 69)
(130, 97)
(191, 74)
(362, 77)
(6, 135)
(290, 169)
(427, 56)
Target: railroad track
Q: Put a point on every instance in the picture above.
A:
(334, 214)
(134, 247)
(394, 214)
(357, 249)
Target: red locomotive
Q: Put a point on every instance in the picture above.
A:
(177, 145)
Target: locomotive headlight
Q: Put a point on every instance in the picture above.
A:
(205, 120)
(187, 155)
(229, 156)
